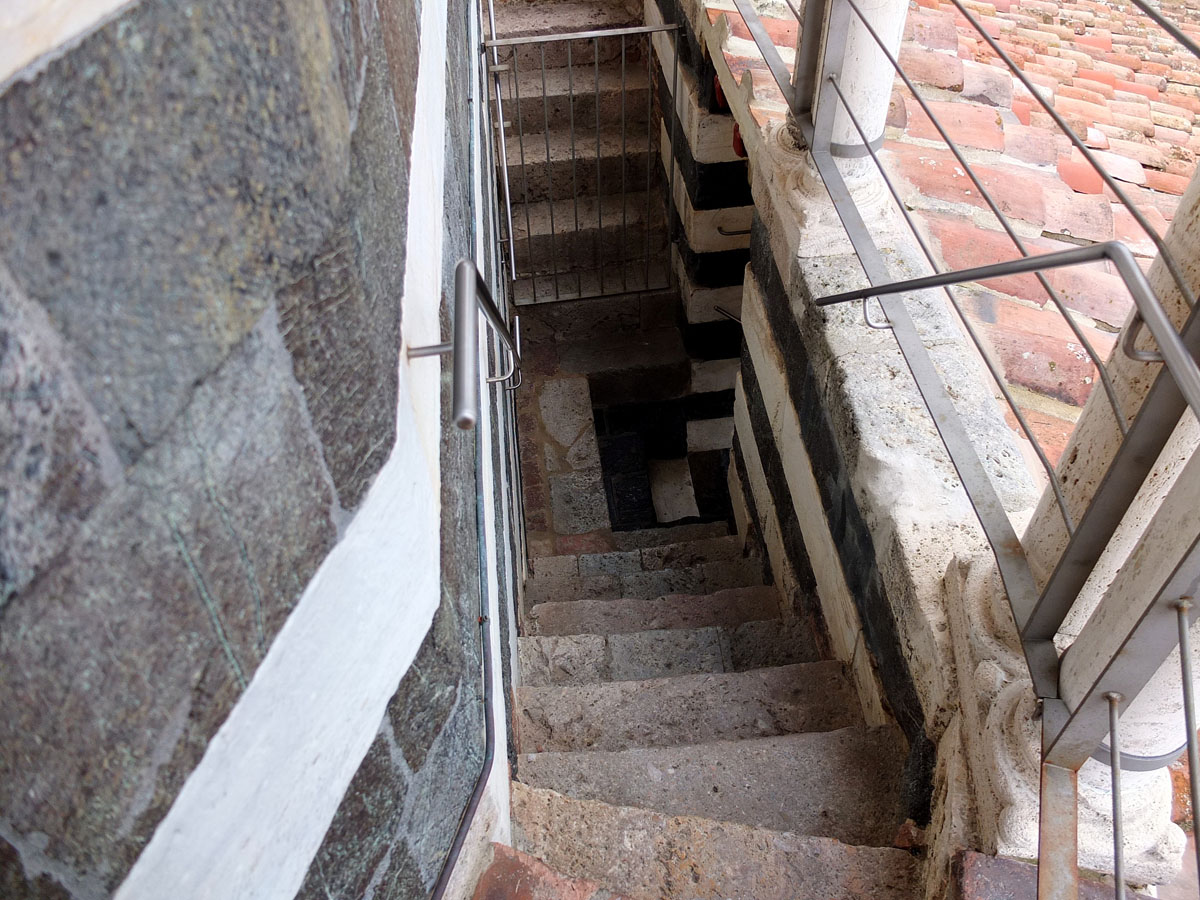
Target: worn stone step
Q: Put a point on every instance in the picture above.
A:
(726, 608)
(611, 232)
(632, 276)
(551, 19)
(673, 534)
(557, 165)
(576, 659)
(685, 709)
(663, 556)
(513, 875)
(650, 856)
(701, 578)
(574, 96)
(841, 784)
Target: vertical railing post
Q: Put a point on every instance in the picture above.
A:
(849, 55)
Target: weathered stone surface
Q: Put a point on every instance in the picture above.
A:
(363, 828)
(514, 875)
(671, 488)
(981, 877)
(656, 654)
(730, 607)
(570, 587)
(685, 709)
(430, 687)
(618, 562)
(840, 784)
(690, 553)
(648, 855)
(566, 408)
(699, 579)
(19, 883)
(577, 503)
(654, 537)
(56, 461)
(152, 209)
(143, 637)
(563, 659)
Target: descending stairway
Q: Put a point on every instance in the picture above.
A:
(691, 745)
(581, 144)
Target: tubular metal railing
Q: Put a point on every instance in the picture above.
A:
(583, 211)
(471, 297)
(1151, 626)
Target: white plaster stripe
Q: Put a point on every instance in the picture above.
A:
(252, 815)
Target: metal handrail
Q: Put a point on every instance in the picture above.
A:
(471, 297)
(577, 35)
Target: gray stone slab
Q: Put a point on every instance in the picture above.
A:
(691, 553)
(654, 537)
(730, 607)
(658, 654)
(566, 408)
(840, 784)
(577, 502)
(559, 588)
(619, 562)
(648, 856)
(555, 566)
(685, 709)
(699, 579)
(755, 645)
(563, 659)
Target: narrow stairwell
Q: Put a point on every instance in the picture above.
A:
(583, 174)
(691, 744)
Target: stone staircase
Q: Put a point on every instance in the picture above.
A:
(581, 143)
(677, 737)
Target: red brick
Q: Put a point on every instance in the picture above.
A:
(1127, 229)
(931, 29)
(1166, 182)
(1092, 291)
(1082, 94)
(1079, 174)
(783, 32)
(1100, 40)
(1051, 432)
(965, 244)
(968, 124)
(936, 173)
(1146, 154)
(1037, 348)
(1132, 87)
(1120, 167)
(1031, 145)
(1087, 216)
(1096, 75)
(1088, 112)
(932, 67)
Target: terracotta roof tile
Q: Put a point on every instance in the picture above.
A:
(968, 124)
(1166, 182)
(932, 67)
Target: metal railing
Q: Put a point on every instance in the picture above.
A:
(471, 297)
(1151, 626)
(584, 213)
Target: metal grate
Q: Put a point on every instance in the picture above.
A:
(1152, 626)
(581, 168)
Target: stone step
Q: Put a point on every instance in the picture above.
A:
(632, 276)
(611, 231)
(840, 784)
(513, 875)
(557, 165)
(731, 607)
(663, 556)
(575, 659)
(552, 19)
(650, 856)
(654, 537)
(698, 579)
(685, 709)
(574, 96)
